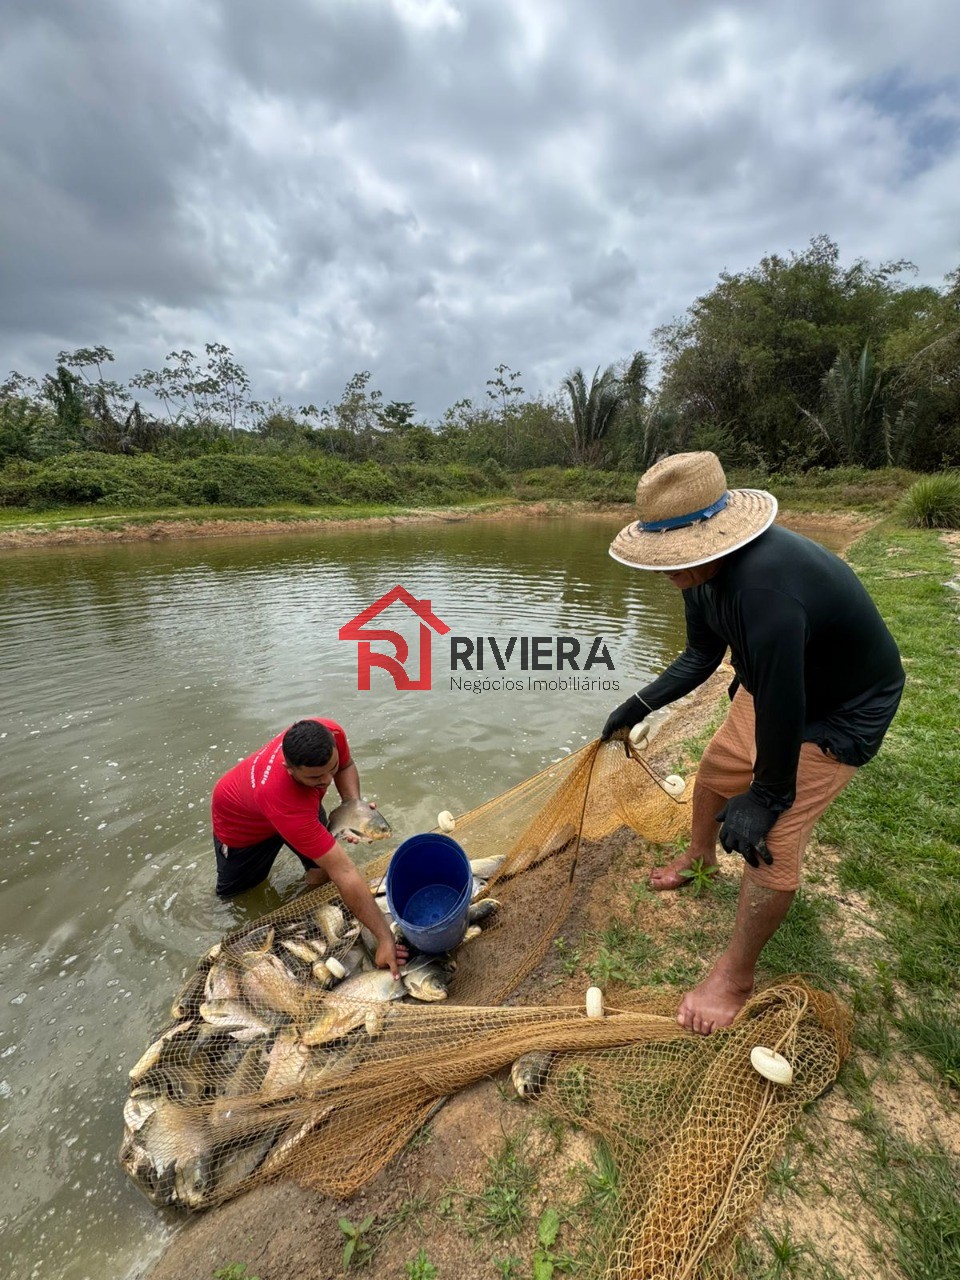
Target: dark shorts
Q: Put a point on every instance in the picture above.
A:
(241, 869)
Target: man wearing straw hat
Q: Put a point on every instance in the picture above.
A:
(818, 681)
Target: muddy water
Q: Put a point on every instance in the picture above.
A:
(134, 675)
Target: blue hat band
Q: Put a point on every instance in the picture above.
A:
(680, 522)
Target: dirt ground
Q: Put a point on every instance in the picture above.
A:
(283, 1231)
(93, 529)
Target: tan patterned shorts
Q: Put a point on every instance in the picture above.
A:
(727, 769)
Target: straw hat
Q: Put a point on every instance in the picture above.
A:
(688, 516)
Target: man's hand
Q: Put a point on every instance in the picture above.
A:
(744, 825)
(391, 955)
(625, 716)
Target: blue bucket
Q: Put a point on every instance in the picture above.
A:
(429, 886)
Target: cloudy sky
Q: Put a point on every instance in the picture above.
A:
(426, 188)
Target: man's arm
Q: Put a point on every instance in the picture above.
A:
(701, 657)
(347, 782)
(356, 895)
(703, 654)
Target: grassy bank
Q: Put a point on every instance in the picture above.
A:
(113, 493)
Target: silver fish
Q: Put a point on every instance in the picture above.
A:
(238, 1019)
(187, 1002)
(346, 1006)
(268, 984)
(482, 910)
(286, 1065)
(356, 818)
(428, 977)
(331, 920)
(222, 983)
(487, 868)
(160, 1048)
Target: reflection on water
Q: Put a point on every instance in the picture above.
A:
(134, 676)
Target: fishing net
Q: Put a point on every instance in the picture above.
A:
(289, 1055)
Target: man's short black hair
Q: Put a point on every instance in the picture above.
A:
(308, 744)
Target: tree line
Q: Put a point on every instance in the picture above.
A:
(799, 362)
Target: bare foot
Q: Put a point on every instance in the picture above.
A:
(671, 877)
(715, 1003)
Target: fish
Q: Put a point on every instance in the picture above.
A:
(428, 977)
(331, 920)
(345, 1008)
(175, 1134)
(234, 1162)
(267, 984)
(187, 1002)
(241, 1021)
(482, 910)
(248, 1075)
(222, 983)
(487, 868)
(286, 1065)
(529, 1073)
(137, 1111)
(309, 950)
(159, 1049)
(356, 818)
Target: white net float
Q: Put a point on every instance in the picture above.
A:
(674, 785)
(639, 734)
(446, 821)
(594, 1002)
(772, 1066)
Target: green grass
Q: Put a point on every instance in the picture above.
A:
(898, 825)
(802, 944)
(912, 1190)
(503, 1206)
(99, 517)
(935, 1033)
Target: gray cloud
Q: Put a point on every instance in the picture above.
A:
(425, 188)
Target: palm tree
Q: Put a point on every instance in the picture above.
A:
(594, 412)
(855, 412)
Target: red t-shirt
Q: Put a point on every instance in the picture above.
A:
(258, 799)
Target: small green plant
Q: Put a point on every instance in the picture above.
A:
(234, 1271)
(569, 956)
(602, 1183)
(783, 1175)
(607, 967)
(508, 1267)
(785, 1251)
(639, 892)
(545, 1261)
(358, 1247)
(933, 502)
(421, 1268)
(700, 877)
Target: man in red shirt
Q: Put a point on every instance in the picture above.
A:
(275, 798)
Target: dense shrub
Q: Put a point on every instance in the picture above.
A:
(933, 502)
(577, 483)
(231, 480)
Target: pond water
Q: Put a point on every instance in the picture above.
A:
(135, 674)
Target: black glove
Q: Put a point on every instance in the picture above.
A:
(745, 823)
(625, 716)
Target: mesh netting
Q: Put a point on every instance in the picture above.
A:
(289, 1054)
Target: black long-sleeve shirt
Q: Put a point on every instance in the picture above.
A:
(809, 645)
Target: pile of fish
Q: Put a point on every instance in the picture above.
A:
(270, 1014)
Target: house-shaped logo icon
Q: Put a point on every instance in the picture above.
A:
(358, 630)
